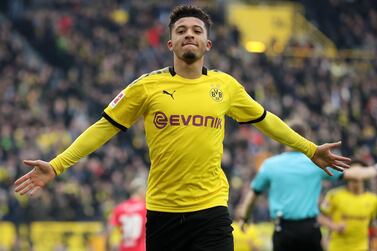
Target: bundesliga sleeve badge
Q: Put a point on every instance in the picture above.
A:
(117, 99)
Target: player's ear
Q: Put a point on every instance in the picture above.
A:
(170, 45)
(209, 45)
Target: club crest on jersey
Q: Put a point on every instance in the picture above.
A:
(117, 99)
(216, 94)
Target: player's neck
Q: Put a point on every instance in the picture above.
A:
(189, 71)
(356, 190)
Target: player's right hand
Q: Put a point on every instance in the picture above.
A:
(36, 179)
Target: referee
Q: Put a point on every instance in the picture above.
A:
(293, 183)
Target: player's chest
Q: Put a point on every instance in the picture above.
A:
(356, 208)
(203, 99)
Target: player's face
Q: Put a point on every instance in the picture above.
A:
(189, 40)
(355, 184)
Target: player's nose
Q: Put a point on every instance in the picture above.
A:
(189, 34)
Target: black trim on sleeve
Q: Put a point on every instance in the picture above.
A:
(255, 120)
(341, 176)
(116, 124)
(257, 192)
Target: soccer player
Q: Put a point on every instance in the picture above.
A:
(130, 218)
(293, 183)
(183, 107)
(347, 212)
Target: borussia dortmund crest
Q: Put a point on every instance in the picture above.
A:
(216, 94)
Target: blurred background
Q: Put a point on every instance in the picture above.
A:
(63, 61)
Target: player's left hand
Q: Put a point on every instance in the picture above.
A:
(324, 158)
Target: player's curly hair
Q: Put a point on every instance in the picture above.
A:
(189, 11)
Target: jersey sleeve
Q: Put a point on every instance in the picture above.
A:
(90, 140)
(261, 181)
(243, 108)
(128, 105)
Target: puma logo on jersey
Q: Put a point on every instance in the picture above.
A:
(167, 93)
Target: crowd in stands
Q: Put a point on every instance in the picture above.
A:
(62, 62)
(350, 24)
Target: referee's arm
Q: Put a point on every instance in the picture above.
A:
(243, 211)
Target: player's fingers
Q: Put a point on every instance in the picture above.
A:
(342, 164)
(338, 168)
(35, 191)
(327, 171)
(24, 184)
(335, 144)
(26, 189)
(341, 158)
(31, 163)
(37, 181)
(22, 179)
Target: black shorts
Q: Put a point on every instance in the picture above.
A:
(207, 230)
(297, 235)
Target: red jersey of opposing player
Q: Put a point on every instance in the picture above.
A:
(130, 217)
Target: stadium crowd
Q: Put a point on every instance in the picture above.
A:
(350, 24)
(62, 62)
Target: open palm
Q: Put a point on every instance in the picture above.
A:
(324, 158)
(36, 179)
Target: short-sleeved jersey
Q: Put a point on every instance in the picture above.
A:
(130, 218)
(184, 124)
(356, 212)
(293, 183)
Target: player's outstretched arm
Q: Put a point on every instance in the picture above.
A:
(321, 155)
(360, 173)
(324, 158)
(90, 140)
(41, 174)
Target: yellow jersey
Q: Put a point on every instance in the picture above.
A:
(356, 212)
(184, 125)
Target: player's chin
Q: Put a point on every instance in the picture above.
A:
(190, 57)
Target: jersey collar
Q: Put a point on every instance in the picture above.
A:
(173, 73)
